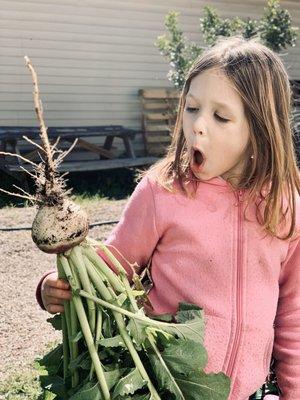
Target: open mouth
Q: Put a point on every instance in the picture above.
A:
(198, 157)
(197, 160)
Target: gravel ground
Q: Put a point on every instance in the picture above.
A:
(24, 331)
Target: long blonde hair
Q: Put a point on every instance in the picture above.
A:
(263, 84)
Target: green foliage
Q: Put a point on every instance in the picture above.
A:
(274, 30)
(21, 386)
(176, 365)
(212, 26)
(177, 50)
(26, 383)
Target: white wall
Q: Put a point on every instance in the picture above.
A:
(92, 56)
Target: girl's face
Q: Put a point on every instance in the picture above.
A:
(214, 123)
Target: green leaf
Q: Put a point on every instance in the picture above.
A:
(76, 337)
(52, 360)
(113, 376)
(129, 384)
(191, 325)
(137, 293)
(187, 312)
(183, 356)
(53, 383)
(121, 298)
(115, 341)
(164, 377)
(136, 397)
(181, 365)
(163, 317)
(201, 386)
(107, 324)
(56, 322)
(195, 385)
(48, 396)
(82, 361)
(137, 330)
(89, 391)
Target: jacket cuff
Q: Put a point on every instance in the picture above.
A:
(38, 294)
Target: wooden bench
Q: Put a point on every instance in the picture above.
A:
(158, 117)
(97, 158)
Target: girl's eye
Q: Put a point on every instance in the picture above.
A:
(191, 109)
(221, 119)
(194, 110)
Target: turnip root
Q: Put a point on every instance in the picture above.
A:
(58, 228)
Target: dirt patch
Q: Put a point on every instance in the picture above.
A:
(24, 331)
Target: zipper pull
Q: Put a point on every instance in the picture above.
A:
(240, 195)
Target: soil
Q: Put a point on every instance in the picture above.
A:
(24, 330)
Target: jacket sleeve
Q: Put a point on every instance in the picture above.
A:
(38, 294)
(286, 349)
(135, 237)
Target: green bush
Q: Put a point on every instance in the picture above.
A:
(274, 30)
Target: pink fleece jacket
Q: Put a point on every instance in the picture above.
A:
(204, 251)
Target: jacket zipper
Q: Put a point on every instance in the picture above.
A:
(237, 336)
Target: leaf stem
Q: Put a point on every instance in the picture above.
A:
(105, 293)
(78, 262)
(162, 361)
(86, 330)
(99, 263)
(143, 318)
(61, 275)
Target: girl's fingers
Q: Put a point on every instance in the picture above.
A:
(55, 308)
(57, 283)
(58, 293)
(54, 300)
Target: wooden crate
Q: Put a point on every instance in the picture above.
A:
(158, 117)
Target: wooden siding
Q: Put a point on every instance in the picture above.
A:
(93, 56)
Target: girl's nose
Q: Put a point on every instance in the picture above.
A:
(199, 126)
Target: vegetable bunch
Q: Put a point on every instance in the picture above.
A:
(112, 350)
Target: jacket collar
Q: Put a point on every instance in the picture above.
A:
(220, 182)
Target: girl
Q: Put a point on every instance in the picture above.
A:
(217, 219)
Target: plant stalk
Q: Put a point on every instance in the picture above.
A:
(105, 293)
(65, 331)
(86, 329)
(78, 262)
(74, 345)
(98, 335)
(103, 268)
(72, 327)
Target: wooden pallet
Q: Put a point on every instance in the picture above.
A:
(158, 117)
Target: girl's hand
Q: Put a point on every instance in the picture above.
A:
(54, 291)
